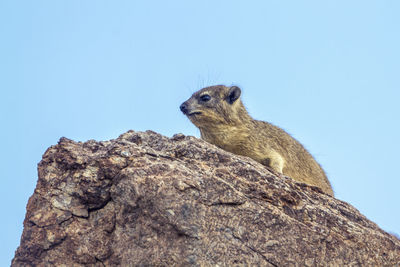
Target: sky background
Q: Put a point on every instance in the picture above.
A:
(325, 71)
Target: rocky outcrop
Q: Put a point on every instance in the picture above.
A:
(144, 199)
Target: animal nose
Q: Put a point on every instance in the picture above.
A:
(184, 108)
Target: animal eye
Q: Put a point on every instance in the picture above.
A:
(205, 98)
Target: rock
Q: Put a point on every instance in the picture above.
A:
(147, 200)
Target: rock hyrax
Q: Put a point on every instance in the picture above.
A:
(223, 121)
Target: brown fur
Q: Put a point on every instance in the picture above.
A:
(223, 121)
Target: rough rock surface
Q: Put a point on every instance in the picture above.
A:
(147, 200)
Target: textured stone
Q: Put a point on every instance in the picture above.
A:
(145, 199)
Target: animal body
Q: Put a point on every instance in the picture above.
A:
(223, 120)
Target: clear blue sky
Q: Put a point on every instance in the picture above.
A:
(325, 71)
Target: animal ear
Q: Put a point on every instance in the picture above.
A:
(233, 94)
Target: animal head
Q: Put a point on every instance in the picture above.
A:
(214, 105)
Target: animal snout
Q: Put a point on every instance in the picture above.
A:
(184, 108)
